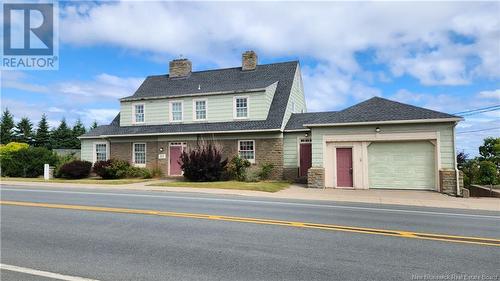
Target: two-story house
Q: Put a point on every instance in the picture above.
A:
(258, 111)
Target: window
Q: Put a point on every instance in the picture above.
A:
(140, 154)
(293, 107)
(139, 113)
(246, 150)
(176, 111)
(241, 107)
(101, 152)
(200, 109)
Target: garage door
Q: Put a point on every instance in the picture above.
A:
(401, 165)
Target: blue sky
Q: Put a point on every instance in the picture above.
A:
(444, 56)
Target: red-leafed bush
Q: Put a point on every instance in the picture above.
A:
(203, 163)
(75, 170)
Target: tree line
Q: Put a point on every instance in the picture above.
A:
(482, 169)
(63, 136)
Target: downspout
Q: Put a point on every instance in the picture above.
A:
(457, 172)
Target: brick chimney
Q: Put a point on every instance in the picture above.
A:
(249, 61)
(180, 68)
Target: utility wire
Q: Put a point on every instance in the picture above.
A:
(477, 109)
(479, 112)
(473, 131)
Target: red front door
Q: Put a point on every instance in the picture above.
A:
(175, 158)
(344, 167)
(305, 159)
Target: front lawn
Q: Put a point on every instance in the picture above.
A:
(82, 181)
(267, 186)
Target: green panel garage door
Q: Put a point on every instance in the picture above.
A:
(401, 165)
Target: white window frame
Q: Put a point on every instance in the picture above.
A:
(94, 150)
(145, 154)
(134, 121)
(171, 115)
(235, 115)
(194, 109)
(254, 150)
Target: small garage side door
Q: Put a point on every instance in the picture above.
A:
(402, 165)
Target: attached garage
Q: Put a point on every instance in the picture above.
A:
(402, 165)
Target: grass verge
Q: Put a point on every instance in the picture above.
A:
(267, 186)
(81, 181)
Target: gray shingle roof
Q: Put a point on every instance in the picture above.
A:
(380, 109)
(230, 79)
(297, 120)
(210, 81)
(375, 109)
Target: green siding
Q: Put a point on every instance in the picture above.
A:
(290, 149)
(87, 149)
(401, 165)
(296, 96)
(215, 137)
(445, 130)
(219, 108)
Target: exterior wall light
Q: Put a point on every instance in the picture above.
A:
(306, 135)
(161, 149)
(377, 130)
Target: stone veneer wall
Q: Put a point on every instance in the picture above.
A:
(266, 151)
(448, 182)
(316, 177)
(290, 174)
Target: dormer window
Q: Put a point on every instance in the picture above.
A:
(200, 109)
(240, 107)
(176, 111)
(139, 113)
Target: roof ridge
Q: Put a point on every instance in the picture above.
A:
(410, 105)
(227, 68)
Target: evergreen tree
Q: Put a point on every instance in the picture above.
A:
(23, 132)
(93, 126)
(78, 130)
(6, 126)
(42, 136)
(62, 137)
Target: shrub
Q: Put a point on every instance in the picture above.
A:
(118, 169)
(204, 163)
(7, 149)
(265, 171)
(137, 172)
(156, 172)
(111, 169)
(75, 169)
(236, 168)
(61, 160)
(27, 162)
(100, 168)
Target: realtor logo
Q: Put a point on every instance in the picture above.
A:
(29, 36)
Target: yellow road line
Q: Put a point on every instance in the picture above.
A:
(331, 227)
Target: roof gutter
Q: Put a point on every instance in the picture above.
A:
(198, 94)
(439, 120)
(179, 133)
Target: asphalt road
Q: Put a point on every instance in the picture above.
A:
(109, 245)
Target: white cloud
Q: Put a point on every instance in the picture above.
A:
(56, 109)
(102, 86)
(493, 94)
(412, 38)
(102, 116)
(18, 80)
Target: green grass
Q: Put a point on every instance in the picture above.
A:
(82, 181)
(267, 186)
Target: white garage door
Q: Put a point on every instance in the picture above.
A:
(402, 165)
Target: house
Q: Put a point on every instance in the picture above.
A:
(259, 112)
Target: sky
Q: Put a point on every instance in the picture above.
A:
(439, 55)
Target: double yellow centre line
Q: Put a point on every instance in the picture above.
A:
(330, 227)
